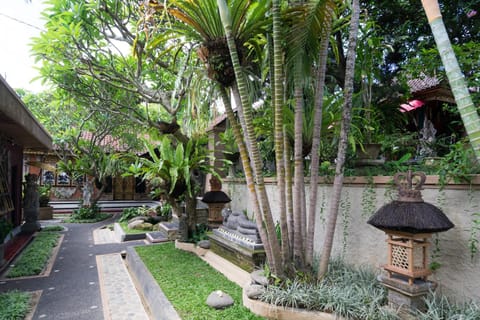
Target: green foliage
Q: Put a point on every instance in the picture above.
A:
(14, 305)
(86, 213)
(187, 281)
(34, 258)
(458, 164)
(350, 292)
(44, 195)
(170, 168)
(369, 199)
(165, 210)
(474, 234)
(53, 228)
(200, 233)
(129, 213)
(440, 307)
(5, 228)
(90, 214)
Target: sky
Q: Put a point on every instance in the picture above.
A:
(20, 20)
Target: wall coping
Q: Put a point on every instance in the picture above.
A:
(432, 181)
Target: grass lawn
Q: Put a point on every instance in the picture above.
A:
(187, 281)
(127, 230)
(14, 305)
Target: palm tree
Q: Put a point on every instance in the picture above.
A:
(246, 105)
(345, 128)
(465, 105)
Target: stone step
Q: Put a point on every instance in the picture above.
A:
(169, 229)
(156, 237)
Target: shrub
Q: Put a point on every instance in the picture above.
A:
(14, 305)
(353, 293)
(129, 213)
(86, 213)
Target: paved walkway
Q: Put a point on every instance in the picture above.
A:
(87, 280)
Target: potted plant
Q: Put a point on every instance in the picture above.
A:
(45, 211)
(5, 230)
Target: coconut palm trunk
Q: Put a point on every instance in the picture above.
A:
(342, 148)
(275, 263)
(466, 108)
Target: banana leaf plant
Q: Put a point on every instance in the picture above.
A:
(171, 170)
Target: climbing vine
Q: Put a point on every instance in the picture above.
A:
(475, 227)
(345, 207)
(369, 198)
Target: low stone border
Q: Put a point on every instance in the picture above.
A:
(271, 311)
(121, 236)
(152, 295)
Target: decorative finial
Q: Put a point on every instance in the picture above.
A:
(409, 185)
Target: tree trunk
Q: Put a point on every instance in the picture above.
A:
(248, 173)
(275, 263)
(278, 104)
(345, 128)
(315, 147)
(298, 175)
(466, 108)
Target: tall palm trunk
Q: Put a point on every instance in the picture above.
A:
(467, 109)
(275, 262)
(342, 148)
(278, 104)
(299, 183)
(316, 146)
(237, 132)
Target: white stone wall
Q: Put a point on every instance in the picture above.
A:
(360, 243)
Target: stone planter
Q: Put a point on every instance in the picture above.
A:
(45, 213)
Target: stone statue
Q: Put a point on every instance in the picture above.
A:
(87, 193)
(427, 139)
(238, 223)
(31, 204)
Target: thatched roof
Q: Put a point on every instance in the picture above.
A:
(410, 213)
(215, 197)
(412, 217)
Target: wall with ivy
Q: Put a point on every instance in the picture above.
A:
(453, 253)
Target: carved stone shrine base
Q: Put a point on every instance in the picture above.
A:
(404, 297)
(245, 258)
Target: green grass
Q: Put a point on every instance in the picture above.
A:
(14, 305)
(127, 230)
(187, 281)
(35, 256)
(53, 228)
(98, 217)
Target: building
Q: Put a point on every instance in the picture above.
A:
(19, 130)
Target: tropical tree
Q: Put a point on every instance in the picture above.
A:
(171, 170)
(97, 54)
(466, 108)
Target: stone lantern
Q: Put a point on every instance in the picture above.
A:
(409, 223)
(216, 200)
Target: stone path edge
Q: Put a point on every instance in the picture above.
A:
(159, 306)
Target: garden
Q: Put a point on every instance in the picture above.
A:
(285, 99)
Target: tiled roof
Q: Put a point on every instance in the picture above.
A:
(424, 83)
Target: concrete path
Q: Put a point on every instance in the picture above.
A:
(88, 279)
